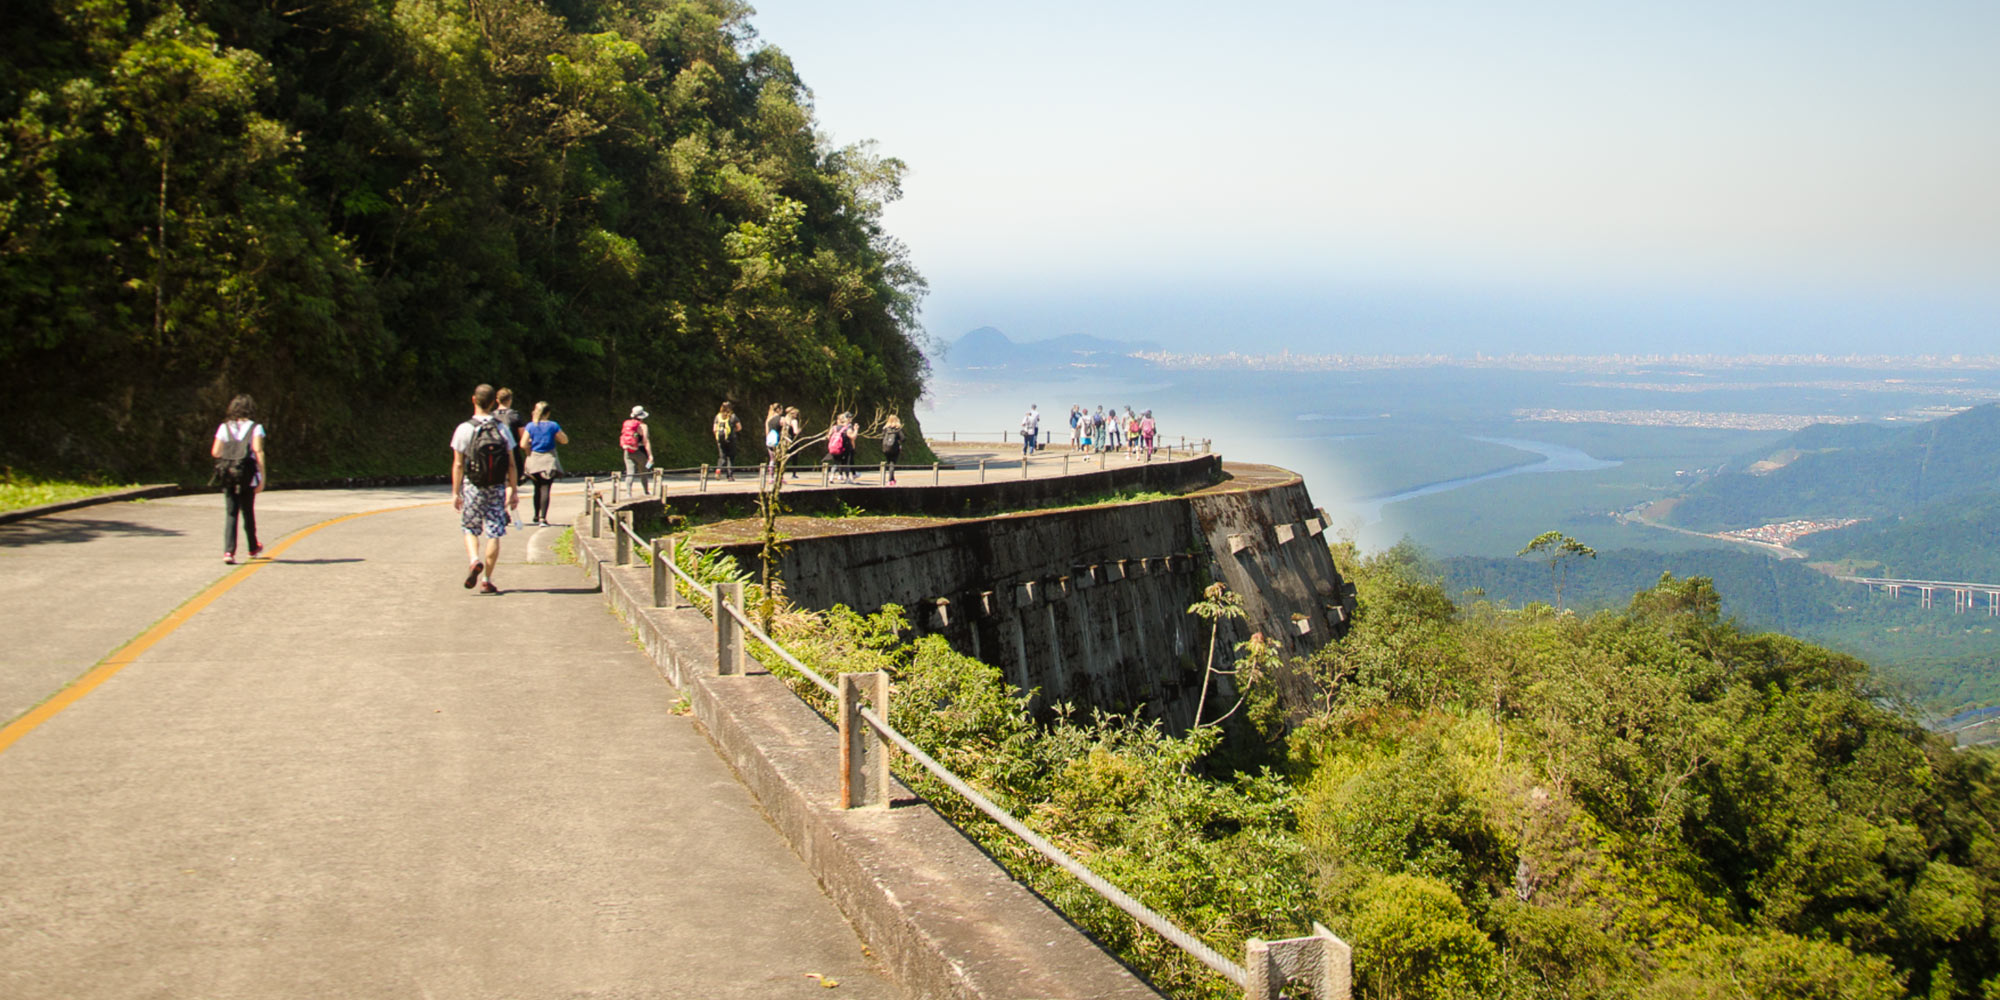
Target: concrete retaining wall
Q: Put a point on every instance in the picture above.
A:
(1089, 605)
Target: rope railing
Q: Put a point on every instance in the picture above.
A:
(1320, 958)
(1117, 897)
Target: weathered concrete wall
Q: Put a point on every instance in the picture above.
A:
(1089, 605)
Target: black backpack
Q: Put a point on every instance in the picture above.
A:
(237, 465)
(487, 457)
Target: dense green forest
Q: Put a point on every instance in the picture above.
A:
(358, 209)
(1865, 472)
(1647, 803)
(1942, 661)
(1955, 539)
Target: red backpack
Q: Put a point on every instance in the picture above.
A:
(628, 438)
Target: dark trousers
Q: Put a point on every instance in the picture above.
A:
(235, 500)
(545, 486)
(725, 458)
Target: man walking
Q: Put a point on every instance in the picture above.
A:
(485, 486)
(503, 401)
(1031, 430)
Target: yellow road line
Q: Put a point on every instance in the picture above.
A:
(123, 657)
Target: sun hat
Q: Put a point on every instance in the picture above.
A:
(639, 413)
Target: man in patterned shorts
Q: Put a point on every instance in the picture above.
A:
(485, 484)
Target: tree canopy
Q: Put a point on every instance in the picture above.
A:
(359, 204)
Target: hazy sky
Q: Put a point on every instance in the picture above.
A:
(1442, 176)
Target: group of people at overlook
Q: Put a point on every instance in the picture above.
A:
(497, 447)
(1099, 430)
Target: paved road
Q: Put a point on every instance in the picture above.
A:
(348, 776)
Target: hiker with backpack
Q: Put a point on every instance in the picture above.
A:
(840, 448)
(485, 485)
(238, 451)
(892, 444)
(634, 437)
(726, 427)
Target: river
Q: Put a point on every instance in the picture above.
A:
(1555, 458)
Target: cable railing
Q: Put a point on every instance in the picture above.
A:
(863, 701)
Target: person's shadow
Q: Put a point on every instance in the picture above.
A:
(65, 530)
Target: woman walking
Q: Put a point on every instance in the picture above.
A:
(542, 466)
(892, 444)
(238, 451)
(791, 428)
(1147, 431)
(726, 428)
(774, 433)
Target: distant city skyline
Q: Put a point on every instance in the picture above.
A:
(1450, 176)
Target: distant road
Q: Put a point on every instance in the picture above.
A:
(1765, 547)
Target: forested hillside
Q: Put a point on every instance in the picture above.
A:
(1942, 661)
(1852, 472)
(1648, 803)
(358, 209)
(1948, 540)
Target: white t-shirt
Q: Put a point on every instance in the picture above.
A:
(244, 430)
(461, 439)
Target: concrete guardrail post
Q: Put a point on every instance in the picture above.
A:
(885, 473)
(661, 577)
(596, 504)
(659, 482)
(826, 473)
(936, 475)
(1024, 466)
(982, 470)
(616, 480)
(621, 546)
(1322, 960)
(864, 754)
(729, 646)
(704, 477)
(1066, 463)
(1100, 457)
(589, 487)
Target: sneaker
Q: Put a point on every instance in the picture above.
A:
(487, 587)
(472, 575)
(256, 550)
(229, 557)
